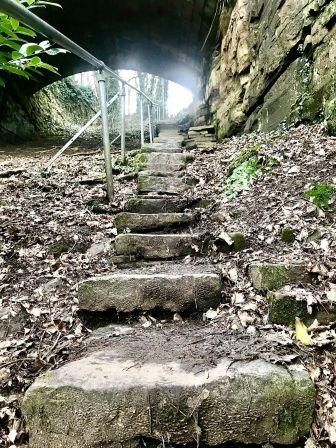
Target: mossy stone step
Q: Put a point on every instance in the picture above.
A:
(151, 247)
(177, 385)
(161, 161)
(144, 205)
(161, 147)
(138, 222)
(150, 183)
(129, 292)
(271, 276)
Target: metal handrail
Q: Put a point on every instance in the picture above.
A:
(21, 13)
(78, 134)
(17, 11)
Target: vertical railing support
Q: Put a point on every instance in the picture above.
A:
(149, 108)
(106, 136)
(142, 122)
(122, 121)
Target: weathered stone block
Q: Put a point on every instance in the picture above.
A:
(175, 292)
(161, 161)
(138, 222)
(274, 276)
(156, 246)
(161, 147)
(155, 205)
(159, 184)
(284, 307)
(133, 389)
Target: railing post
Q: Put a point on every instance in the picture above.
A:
(106, 136)
(149, 108)
(142, 122)
(122, 121)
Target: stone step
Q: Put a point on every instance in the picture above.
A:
(138, 222)
(168, 204)
(151, 247)
(171, 291)
(149, 183)
(177, 385)
(164, 161)
(268, 276)
(161, 147)
(207, 128)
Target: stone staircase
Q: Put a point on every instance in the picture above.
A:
(179, 384)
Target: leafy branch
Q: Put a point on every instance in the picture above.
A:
(19, 56)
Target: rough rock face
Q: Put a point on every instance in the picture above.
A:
(140, 387)
(58, 109)
(276, 65)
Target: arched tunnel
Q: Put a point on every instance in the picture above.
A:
(163, 38)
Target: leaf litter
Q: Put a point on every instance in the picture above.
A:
(56, 231)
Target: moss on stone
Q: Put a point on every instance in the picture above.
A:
(284, 308)
(60, 247)
(133, 203)
(287, 235)
(273, 276)
(97, 201)
(121, 221)
(239, 241)
(292, 423)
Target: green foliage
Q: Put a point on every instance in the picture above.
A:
(241, 177)
(322, 195)
(19, 56)
(243, 157)
(244, 168)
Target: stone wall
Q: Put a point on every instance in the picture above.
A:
(56, 110)
(277, 64)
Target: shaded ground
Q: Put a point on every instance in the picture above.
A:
(54, 232)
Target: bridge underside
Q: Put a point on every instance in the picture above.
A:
(159, 37)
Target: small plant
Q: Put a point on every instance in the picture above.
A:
(244, 168)
(322, 195)
(241, 177)
(243, 157)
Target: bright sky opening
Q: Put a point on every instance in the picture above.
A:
(179, 97)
